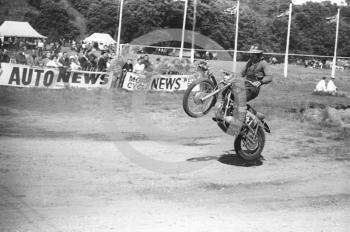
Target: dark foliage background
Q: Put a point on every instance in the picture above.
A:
(311, 33)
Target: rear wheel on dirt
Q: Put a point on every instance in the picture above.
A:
(193, 102)
(250, 147)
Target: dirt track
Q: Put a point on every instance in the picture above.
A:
(63, 167)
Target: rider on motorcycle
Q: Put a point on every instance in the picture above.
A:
(257, 71)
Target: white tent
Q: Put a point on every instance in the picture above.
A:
(100, 38)
(18, 29)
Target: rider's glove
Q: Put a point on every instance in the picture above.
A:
(259, 75)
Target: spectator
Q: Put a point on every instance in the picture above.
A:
(40, 47)
(331, 88)
(53, 62)
(83, 61)
(321, 86)
(128, 67)
(4, 57)
(146, 61)
(64, 60)
(0, 43)
(157, 65)
(44, 59)
(139, 67)
(73, 63)
(102, 62)
(20, 58)
(164, 66)
(93, 55)
(31, 58)
(207, 56)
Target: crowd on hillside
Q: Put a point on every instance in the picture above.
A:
(162, 66)
(83, 56)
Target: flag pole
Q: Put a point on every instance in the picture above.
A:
(288, 38)
(336, 45)
(183, 31)
(193, 29)
(120, 26)
(236, 39)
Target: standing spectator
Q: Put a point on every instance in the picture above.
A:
(128, 67)
(64, 60)
(93, 55)
(22, 44)
(73, 63)
(56, 48)
(83, 61)
(207, 55)
(32, 58)
(40, 48)
(4, 57)
(146, 61)
(215, 56)
(164, 67)
(157, 65)
(20, 58)
(0, 43)
(102, 62)
(139, 67)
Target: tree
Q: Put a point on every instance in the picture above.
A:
(53, 21)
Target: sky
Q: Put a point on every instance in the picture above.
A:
(339, 2)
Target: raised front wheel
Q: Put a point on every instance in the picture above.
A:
(196, 102)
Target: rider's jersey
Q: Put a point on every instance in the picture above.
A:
(251, 70)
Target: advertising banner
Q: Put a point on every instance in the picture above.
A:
(134, 81)
(42, 77)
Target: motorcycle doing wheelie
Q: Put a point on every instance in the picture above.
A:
(202, 95)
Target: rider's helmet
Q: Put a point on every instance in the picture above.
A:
(256, 49)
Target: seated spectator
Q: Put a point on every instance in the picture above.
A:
(139, 67)
(331, 88)
(128, 67)
(64, 60)
(20, 58)
(53, 62)
(321, 86)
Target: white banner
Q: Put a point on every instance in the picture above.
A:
(171, 83)
(26, 76)
(134, 81)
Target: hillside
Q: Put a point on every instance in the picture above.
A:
(29, 10)
(19, 10)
